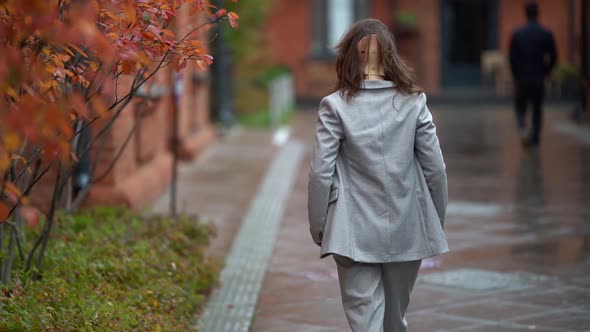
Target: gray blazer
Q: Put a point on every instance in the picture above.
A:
(377, 181)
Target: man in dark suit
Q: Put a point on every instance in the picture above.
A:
(532, 57)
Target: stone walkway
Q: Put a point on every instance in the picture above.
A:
(518, 225)
(231, 308)
(219, 186)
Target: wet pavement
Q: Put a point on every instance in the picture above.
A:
(218, 187)
(518, 226)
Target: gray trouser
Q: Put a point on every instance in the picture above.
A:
(375, 296)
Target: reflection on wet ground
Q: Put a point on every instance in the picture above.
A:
(537, 222)
(518, 226)
(537, 194)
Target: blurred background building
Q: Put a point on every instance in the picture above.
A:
(284, 49)
(458, 47)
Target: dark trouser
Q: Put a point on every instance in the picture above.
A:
(530, 93)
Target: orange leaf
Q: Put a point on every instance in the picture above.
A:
(127, 67)
(18, 157)
(4, 162)
(148, 35)
(220, 13)
(98, 106)
(233, 19)
(69, 51)
(11, 142)
(93, 66)
(108, 13)
(64, 57)
(10, 187)
(12, 191)
(130, 13)
(168, 33)
(12, 93)
(179, 64)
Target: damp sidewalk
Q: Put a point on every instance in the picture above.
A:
(518, 226)
(240, 185)
(220, 184)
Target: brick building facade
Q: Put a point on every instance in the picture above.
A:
(143, 170)
(445, 45)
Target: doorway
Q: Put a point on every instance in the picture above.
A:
(468, 28)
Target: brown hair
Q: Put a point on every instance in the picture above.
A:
(350, 75)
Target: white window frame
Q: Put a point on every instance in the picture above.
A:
(340, 16)
(330, 19)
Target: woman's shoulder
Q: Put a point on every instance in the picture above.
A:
(408, 101)
(337, 99)
(334, 97)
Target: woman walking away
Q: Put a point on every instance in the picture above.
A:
(377, 183)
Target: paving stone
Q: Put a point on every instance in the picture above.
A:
(519, 216)
(491, 310)
(231, 307)
(434, 323)
(482, 280)
(508, 328)
(207, 186)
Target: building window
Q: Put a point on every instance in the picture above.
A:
(331, 19)
(340, 16)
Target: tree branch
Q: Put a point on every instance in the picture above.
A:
(28, 163)
(164, 57)
(121, 150)
(48, 223)
(50, 219)
(29, 188)
(219, 19)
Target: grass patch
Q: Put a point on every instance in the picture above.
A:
(262, 119)
(110, 269)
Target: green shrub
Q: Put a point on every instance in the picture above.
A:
(109, 269)
(566, 71)
(251, 53)
(261, 119)
(264, 77)
(406, 19)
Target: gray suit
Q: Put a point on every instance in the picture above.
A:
(377, 183)
(377, 199)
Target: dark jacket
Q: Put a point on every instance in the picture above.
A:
(532, 53)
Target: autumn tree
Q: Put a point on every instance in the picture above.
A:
(69, 66)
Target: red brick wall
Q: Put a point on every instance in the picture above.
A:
(383, 10)
(553, 14)
(428, 64)
(289, 26)
(195, 130)
(289, 40)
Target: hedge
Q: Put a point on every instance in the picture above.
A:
(110, 269)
